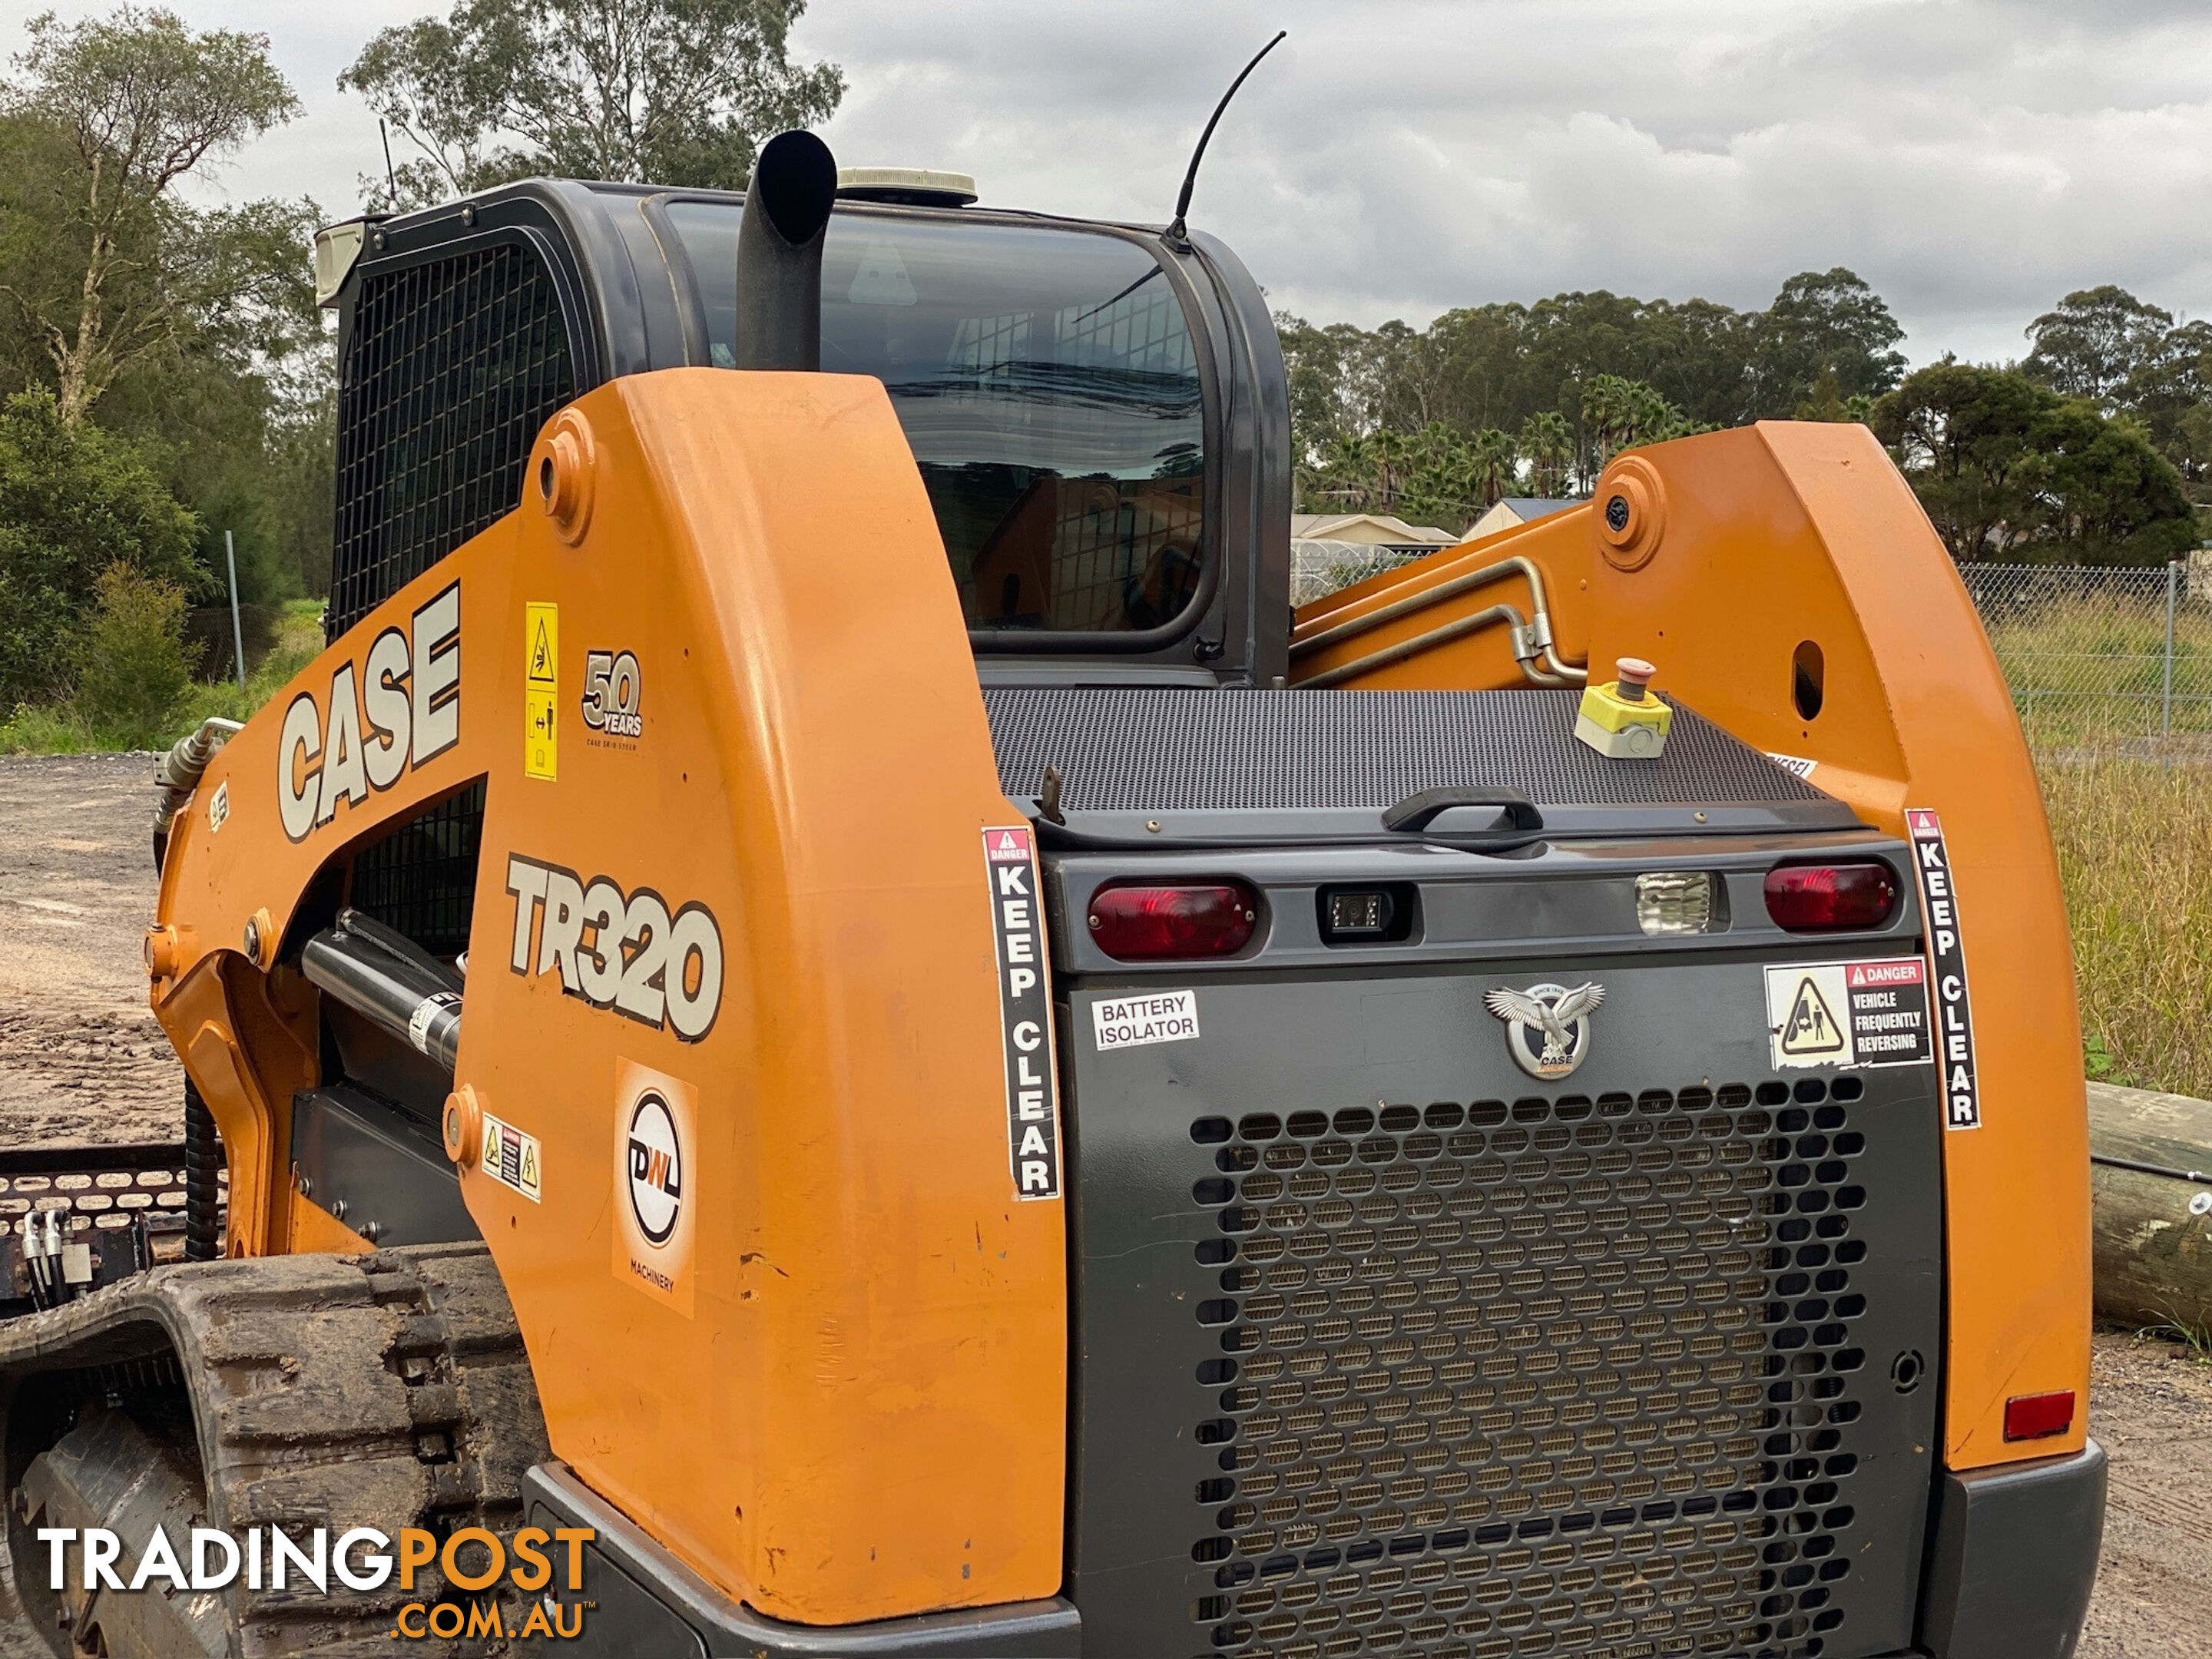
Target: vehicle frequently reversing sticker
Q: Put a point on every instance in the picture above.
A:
(1025, 1012)
(1947, 957)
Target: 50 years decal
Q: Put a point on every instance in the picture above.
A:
(627, 952)
(403, 708)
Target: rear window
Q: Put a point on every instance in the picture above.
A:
(1046, 381)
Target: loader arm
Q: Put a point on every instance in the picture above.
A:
(1790, 587)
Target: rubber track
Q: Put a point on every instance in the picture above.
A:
(385, 1390)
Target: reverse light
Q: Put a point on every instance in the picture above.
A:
(2038, 1416)
(1674, 901)
(1819, 898)
(1151, 921)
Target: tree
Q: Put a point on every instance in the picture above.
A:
(2006, 468)
(74, 500)
(1822, 323)
(143, 101)
(1548, 444)
(675, 92)
(2096, 344)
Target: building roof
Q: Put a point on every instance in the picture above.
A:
(1512, 510)
(1376, 528)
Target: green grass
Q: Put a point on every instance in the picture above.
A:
(2091, 672)
(2134, 851)
(61, 729)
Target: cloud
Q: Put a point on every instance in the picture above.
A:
(1972, 159)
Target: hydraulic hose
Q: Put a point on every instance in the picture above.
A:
(203, 1159)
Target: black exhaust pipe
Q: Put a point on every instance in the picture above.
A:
(795, 185)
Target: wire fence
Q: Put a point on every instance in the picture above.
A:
(2104, 661)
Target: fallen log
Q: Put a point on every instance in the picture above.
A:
(2151, 1187)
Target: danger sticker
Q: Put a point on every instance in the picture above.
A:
(1850, 1013)
(1133, 1022)
(1946, 956)
(512, 1158)
(1024, 1014)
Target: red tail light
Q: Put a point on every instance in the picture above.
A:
(2038, 1416)
(1149, 922)
(1817, 898)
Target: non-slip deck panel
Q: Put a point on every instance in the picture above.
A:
(1201, 750)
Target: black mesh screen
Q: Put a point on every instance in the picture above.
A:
(452, 369)
(1557, 1377)
(422, 878)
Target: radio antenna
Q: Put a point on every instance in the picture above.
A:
(1175, 231)
(390, 175)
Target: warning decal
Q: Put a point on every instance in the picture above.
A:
(512, 1158)
(1025, 1012)
(541, 690)
(1946, 956)
(1850, 1013)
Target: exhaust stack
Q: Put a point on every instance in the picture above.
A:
(795, 185)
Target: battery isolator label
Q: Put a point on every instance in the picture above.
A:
(1025, 1012)
(1133, 1022)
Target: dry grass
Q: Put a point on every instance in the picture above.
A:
(2135, 847)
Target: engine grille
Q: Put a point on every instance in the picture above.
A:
(450, 368)
(1557, 1377)
(421, 880)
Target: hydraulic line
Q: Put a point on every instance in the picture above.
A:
(203, 1159)
(1532, 639)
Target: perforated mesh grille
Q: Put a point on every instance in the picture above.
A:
(1557, 1377)
(451, 367)
(1162, 751)
(422, 878)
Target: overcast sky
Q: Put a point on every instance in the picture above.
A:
(1972, 159)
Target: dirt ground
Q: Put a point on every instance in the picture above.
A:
(81, 1060)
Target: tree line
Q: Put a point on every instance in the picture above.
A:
(167, 380)
(2094, 448)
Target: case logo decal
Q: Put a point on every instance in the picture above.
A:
(401, 707)
(624, 952)
(655, 1130)
(1546, 1026)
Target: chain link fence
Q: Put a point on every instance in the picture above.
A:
(2107, 662)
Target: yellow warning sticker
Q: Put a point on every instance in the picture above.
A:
(541, 691)
(512, 1158)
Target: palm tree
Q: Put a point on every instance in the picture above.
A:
(1549, 445)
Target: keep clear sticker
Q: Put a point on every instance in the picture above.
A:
(1025, 1012)
(1850, 1013)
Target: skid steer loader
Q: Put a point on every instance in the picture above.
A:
(826, 998)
